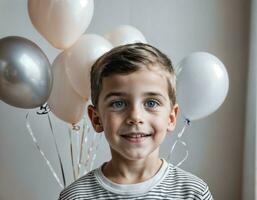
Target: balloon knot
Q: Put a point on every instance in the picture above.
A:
(75, 127)
(188, 122)
(44, 109)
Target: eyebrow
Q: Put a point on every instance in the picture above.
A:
(111, 94)
(155, 94)
(119, 94)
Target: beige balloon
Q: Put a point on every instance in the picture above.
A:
(64, 102)
(61, 22)
(125, 34)
(79, 59)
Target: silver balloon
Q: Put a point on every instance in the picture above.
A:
(25, 73)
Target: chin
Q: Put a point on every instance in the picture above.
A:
(136, 156)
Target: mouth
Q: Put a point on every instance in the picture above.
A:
(136, 137)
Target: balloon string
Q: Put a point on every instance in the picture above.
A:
(94, 155)
(187, 153)
(87, 163)
(85, 143)
(180, 134)
(81, 149)
(77, 143)
(93, 144)
(71, 153)
(41, 152)
(57, 150)
(82, 143)
(75, 149)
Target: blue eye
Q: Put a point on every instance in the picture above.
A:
(119, 104)
(151, 104)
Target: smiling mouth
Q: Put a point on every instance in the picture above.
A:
(140, 135)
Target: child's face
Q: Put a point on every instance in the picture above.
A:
(135, 113)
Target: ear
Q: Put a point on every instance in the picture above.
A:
(95, 119)
(173, 118)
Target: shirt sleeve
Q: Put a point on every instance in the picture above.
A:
(207, 194)
(60, 198)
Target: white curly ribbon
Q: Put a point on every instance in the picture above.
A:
(83, 148)
(62, 185)
(178, 140)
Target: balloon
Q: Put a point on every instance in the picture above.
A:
(80, 57)
(64, 102)
(61, 22)
(202, 85)
(125, 34)
(25, 73)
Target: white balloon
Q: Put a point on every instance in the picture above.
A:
(61, 22)
(125, 34)
(80, 57)
(202, 85)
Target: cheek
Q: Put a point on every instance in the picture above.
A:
(161, 122)
(111, 122)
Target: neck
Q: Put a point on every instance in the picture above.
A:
(124, 171)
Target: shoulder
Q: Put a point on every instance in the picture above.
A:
(181, 176)
(83, 186)
(186, 184)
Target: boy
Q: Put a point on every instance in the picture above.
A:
(134, 104)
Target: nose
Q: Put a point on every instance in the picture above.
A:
(135, 116)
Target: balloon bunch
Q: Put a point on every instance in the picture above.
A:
(28, 80)
(71, 68)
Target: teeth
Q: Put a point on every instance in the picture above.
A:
(136, 135)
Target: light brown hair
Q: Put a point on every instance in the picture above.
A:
(127, 59)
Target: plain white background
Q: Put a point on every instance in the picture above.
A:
(177, 27)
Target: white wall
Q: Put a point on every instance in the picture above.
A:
(177, 27)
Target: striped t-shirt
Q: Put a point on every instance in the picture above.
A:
(168, 183)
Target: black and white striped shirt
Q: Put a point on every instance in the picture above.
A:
(169, 183)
